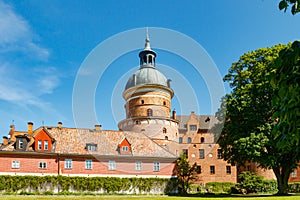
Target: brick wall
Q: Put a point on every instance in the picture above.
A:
(29, 164)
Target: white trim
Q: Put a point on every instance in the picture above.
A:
(148, 95)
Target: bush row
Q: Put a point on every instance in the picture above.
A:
(41, 184)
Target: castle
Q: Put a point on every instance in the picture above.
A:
(147, 144)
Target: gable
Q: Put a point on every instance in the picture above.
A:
(43, 135)
(125, 147)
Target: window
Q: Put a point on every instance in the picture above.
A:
(125, 148)
(164, 130)
(166, 138)
(111, 165)
(46, 145)
(91, 147)
(201, 153)
(228, 169)
(164, 103)
(42, 165)
(39, 144)
(180, 140)
(186, 152)
(88, 164)
(137, 122)
(21, 144)
(138, 166)
(219, 154)
(142, 101)
(248, 168)
(68, 163)
(198, 169)
(202, 140)
(189, 140)
(294, 174)
(212, 169)
(193, 127)
(15, 164)
(156, 166)
(149, 112)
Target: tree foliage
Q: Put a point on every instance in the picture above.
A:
(287, 98)
(284, 4)
(185, 174)
(247, 112)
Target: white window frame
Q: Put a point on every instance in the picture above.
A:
(42, 165)
(125, 148)
(39, 144)
(15, 164)
(68, 164)
(193, 127)
(294, 174)
(156, 166)
(138, 166)
(88, 164)
(21, 144)
(111, 165)
(46, 145)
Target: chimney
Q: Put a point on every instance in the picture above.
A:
(174, 114)
(30, 127)
(5, 140)
(98, 127)
(59, 124)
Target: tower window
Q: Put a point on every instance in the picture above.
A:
(150, 59)
(142, 101)
(149, 112)
(164, 103)
(202, 140)
(180, 140)
(166, 138)
(164, 130)
(193, 127)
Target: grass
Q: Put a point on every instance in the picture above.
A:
(145, 197)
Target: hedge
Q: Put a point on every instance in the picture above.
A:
(59, 184)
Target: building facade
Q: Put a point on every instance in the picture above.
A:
(147, 144)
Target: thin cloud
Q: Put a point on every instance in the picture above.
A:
(15, 34)
(21, 83)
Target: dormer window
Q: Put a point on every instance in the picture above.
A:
(124, 148)
(91, 147)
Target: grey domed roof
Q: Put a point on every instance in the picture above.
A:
(147, 75)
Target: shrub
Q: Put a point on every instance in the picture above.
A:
(249, 183)
(219, 187)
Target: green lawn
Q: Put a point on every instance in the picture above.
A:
(33, 197)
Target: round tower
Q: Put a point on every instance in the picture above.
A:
(148, 97)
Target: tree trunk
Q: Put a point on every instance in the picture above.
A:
(282, 175)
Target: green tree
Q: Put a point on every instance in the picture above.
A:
(247, 112)
(284, 4)
(287, 98)
(185, 174)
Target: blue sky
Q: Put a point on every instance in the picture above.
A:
(44, 43)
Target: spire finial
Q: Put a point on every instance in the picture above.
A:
(147, 44)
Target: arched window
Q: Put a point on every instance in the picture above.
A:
(180, 140)
(189, 140)
(164, 130)
(166, 138)
(202, 140)
(149, 112)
